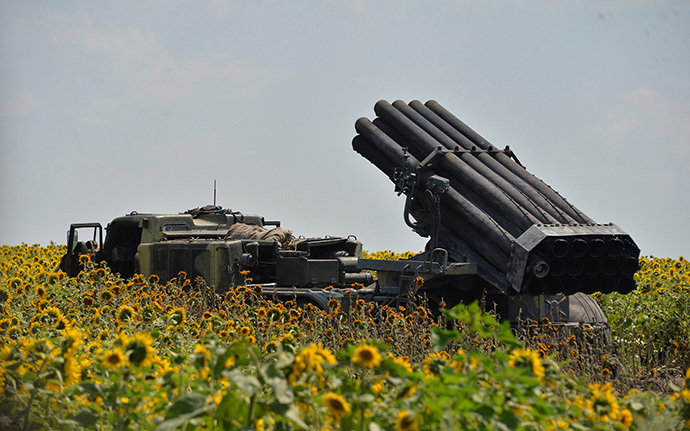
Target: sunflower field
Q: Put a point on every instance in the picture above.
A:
(100, 352)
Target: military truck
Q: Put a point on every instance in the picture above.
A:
(496, 233)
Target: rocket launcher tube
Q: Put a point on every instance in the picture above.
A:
(506, 161)
(385, 144)
(443, 128)
(374, 155)
(475, 162)
(497, 198)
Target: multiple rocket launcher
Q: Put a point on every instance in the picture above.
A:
(481, 205)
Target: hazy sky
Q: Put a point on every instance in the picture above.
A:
(111, 107)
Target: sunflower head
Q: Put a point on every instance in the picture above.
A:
(125, 313)
(177, 316)
(366, 356)
(406, 421)
(71, 341)
(336, 404)
(84, 259)
(53, 278)
(139, 349)
(148, 313)
(106, 295)
(527, 358)
(270, 347)
(114, 358)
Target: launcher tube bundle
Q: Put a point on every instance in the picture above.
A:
(479, 203)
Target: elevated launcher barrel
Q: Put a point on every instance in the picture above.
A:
(481, 205)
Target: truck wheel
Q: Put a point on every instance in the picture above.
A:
(584, 308)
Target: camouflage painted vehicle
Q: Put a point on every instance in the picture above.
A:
(227, 248)
(496, 233)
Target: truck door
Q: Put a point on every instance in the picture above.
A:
(75, 248)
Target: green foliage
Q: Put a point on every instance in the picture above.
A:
(98, 352)
(651, 326)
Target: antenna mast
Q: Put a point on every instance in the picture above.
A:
(214, 192)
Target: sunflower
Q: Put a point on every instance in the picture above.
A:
(51, 315)
(106, 295)
(403, 362)
(72, 340)
(138, 348)
(435, 362)
(87, 300)
(103, 335)
(527, 357)
(336, 404)
(273, 314)
(602, 404)
(125, 313)
(245, 331)
(288, 338)
(270, 347)
(310, 359)
(3, 372)
(14, 333)
(71, 371)
(334, 306)
(367, 356)
(148, 313)
(194, 329)
(84, 259)
(626, 417)
(177, 316)
(406, 421)
(34, 327)
(14, 282)
(114, 358)
(202, 352)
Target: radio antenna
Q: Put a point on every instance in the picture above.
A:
(214, 192)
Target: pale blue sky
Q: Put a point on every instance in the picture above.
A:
(110, 107)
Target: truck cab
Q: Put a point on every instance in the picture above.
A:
(125, 235)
